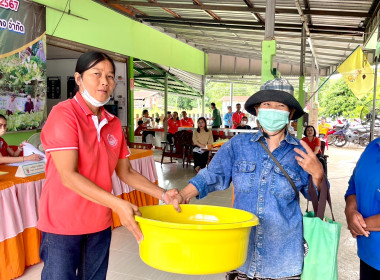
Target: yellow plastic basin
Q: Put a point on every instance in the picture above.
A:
(202, 239)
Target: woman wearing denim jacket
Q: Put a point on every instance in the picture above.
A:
(275, 248)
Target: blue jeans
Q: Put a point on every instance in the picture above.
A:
(75, 257)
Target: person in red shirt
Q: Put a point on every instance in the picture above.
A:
(312, 140)
(85, 145)
(186, 121)
(8, 155)
(237, 116)
(173, 124)
(140, 128)
(315, 144)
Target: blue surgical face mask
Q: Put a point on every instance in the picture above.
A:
(273, 120)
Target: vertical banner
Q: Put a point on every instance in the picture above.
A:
(22, 64)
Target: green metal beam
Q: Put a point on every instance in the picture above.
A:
(131, 103)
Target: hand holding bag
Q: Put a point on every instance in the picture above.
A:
(322, 236)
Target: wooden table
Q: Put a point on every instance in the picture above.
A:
(20, 239)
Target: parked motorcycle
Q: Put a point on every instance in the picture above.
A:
(330, 137)
(357, 135)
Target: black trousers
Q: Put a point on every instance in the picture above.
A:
(200, 159)
(367, 272)
(215, 126)
(145, 133)
(170, 137)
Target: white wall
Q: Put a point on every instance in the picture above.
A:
(65, 68)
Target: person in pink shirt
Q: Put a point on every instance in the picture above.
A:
(186, 121)
(85, 145)
(237, 116)
(173, 124)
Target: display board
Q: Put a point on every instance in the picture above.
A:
(22, 64)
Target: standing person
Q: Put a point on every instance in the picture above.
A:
(216, 119)
(323, 127)
(363, 210)
(275, 249)
(7, 154)
(243, 124)
(237, 116)
(201, 138)
(29, 106)
(11, 105)
(314, 143)
(186, 121)
(38, 105)
(228, 118)
(173, 125)
(84, 145)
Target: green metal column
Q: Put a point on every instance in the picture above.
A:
(268, 46)
(203, 94)
(301, 96)
(131, 103)
(166, 105)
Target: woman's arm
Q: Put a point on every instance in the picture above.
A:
(137, 181)
(372, 223)
(316, 150)
(355, 221)
(15, 153)
(6, 160)
(66, 163)
(210, 139)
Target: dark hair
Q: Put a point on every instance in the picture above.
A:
(144, 111)
(89, 60)
(245, 117)
(175, 112)
(212, 104)
(202, 119)
(140, 122)
(3, 117)
(168, 112)
(304, 132)
(238, 104)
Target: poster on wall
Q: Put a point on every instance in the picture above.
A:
(22, 64)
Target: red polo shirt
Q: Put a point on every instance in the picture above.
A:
(236, 117)
(72, 126)
(187, 123)
(3, 147)
(173, 125)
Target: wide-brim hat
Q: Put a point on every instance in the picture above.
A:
(279, 90)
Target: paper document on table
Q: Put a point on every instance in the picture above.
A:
(29, 149)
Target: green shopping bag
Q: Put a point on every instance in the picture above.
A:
(322, 236)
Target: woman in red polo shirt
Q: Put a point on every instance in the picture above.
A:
(84, 145)
(173, 124)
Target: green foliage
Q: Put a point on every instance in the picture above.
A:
(337, 100)
(185, 103)
(23, 121)
(215, 91)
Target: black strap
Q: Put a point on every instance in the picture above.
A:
(281, 168)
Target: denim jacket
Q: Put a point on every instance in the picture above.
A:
(276, 244)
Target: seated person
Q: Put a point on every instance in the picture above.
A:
(186, 121)
(201, 138)
(323, 127)
(173, 125)
(7, 154)
(243, 124)
(140, 128)
(147, 121)
(314, 143)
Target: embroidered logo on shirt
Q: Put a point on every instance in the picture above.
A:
(111, 140)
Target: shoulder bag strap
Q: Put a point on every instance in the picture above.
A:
(281, 168)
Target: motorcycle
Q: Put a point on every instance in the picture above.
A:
(330, 137)
(357, 135)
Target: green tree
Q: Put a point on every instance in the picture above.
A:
(336, 100)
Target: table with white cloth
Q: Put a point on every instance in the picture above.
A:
(20, 239)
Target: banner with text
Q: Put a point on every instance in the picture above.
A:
(22, 64)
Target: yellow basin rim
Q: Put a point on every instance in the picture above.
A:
(253, 221)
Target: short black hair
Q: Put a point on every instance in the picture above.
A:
(144, 111)
(212, 104)
(168, 112)
(304, 132)
(140, 122)
(3, 117)
(245, 117)
(238, 104)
